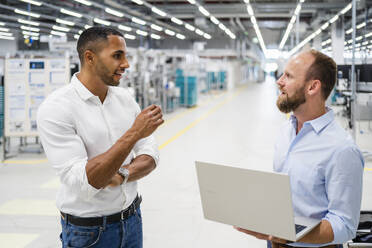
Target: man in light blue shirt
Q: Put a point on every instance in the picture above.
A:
(324, 164)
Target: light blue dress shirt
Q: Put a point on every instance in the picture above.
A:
(326, 170)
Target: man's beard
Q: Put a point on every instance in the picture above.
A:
(287, 104)
(105, 75)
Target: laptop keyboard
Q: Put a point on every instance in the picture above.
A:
(299, 228)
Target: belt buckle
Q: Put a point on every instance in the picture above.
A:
(122, 215)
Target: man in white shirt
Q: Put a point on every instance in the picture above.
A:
(100, 143)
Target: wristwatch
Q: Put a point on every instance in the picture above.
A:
(124, 173)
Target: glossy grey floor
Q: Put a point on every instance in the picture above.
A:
(236, 127)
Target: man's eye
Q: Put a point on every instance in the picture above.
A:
(117, 56)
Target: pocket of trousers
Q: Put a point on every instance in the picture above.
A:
(83, 237)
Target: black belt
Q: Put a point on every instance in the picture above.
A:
(98, 221)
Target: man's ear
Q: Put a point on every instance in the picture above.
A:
(89, 57)
(315, 87)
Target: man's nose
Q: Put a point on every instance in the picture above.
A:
(124, 64)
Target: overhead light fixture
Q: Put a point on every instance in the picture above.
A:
(156, 27)
(30, 33)
(158, 11)
(222, 27)
(85, 2)
(32, 2)
(191, 1)
(57, 33)
(129, 36)
(253, 20)
(365, 43)
(231, 35)
(125, 28)
(298, 9)
(199, 32)
(155, 36)
(6, 38)
(6, 29)
(80, 31)
(2, 24)
(65, 22)
(138, 21)
(169, 32)
(324, 26)
(246, 1)
(204, 11)
(76, 36)
(103, 22)
(28, 28)
(333, 19)
(140, 32)
(214, 20)
(293, 19)
(60, 28)
(359, 26)
(28, 22)
(368, 35)
(6, 34)
(176, 20)
(180, 36)
(207, 36)
(139, 2)
(349, 31)
(71, 13)
(27, 13)
(87, 26)
(114, 12)
(346, 9)
(359, 38)
(189, 27)
(250, 10)
(34, 37)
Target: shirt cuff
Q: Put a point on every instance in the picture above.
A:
(341, 232)
(77, 177)
(151, 154)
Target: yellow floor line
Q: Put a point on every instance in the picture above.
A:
(368, 169)
(192, 124)
(183, 113)
(39, 161)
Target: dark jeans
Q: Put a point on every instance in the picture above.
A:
(333, 246)
(126, 233)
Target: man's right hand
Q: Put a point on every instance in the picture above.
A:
(148, 121)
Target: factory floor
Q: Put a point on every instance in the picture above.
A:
(237, 127)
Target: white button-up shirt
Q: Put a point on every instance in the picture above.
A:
(74, 126)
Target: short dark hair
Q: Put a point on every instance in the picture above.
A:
(90, 37)
(323, 69)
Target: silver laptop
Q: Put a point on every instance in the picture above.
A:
(253, 200)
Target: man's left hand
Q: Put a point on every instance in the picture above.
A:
(116, 180)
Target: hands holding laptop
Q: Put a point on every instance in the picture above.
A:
(275, 241)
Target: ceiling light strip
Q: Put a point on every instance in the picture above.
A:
(290, 25)
(317, 32)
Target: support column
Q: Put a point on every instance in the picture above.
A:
(317, 42)
(338, 39)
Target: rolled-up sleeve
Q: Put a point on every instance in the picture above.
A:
(148, 145)
(344, 180)
(64, 148)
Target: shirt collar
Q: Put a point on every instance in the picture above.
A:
(83, 92)
(319, 123)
